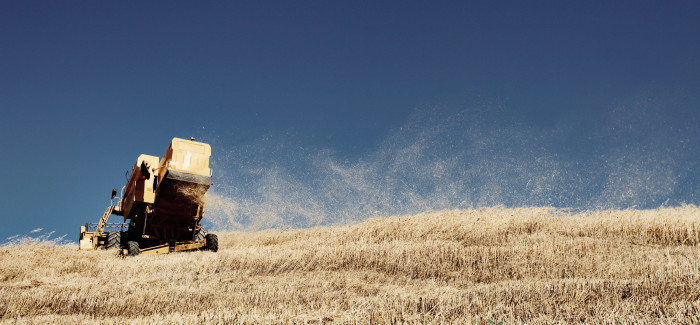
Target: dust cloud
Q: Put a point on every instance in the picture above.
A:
(464, 159)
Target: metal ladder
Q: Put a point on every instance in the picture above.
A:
(103, 220)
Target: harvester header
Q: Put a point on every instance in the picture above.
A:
(163, 200)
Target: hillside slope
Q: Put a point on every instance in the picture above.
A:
(533, 265)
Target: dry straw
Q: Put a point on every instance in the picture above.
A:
(526, 265)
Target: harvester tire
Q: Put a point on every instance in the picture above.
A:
(200, 234)
(212, 242)
(114, 239)
(133, 247)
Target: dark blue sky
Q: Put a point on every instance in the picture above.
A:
(86, 86)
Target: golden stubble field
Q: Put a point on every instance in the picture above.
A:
(525, 265)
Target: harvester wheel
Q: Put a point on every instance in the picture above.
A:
(200, 234)
(114, 239)
(212, 242)
(133, 247)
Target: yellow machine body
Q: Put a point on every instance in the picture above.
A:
(138, 188)
(163, 200)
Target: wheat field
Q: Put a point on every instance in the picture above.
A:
(481, 266)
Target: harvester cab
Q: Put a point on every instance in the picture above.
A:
(163, 201)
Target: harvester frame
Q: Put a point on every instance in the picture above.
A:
(163, 201)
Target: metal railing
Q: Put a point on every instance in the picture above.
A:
(121, 226)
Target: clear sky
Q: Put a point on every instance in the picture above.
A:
(576, 89)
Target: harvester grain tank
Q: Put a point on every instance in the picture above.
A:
(163, 200)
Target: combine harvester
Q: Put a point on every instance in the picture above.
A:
(164, 201)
